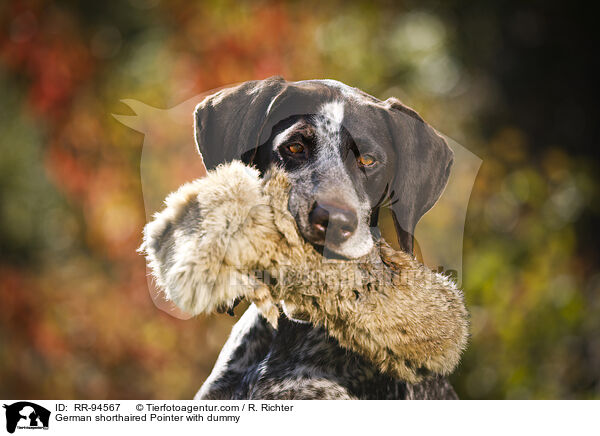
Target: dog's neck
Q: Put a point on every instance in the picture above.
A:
(258, 362)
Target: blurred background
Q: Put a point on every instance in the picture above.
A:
(509, 80)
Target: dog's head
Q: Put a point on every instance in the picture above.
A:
(346, 154)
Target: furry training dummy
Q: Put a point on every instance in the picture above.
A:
(229, 236)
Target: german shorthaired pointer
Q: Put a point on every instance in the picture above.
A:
(346, 154)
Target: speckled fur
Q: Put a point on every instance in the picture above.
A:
(216, 233)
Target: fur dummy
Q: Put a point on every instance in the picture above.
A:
(230, 235)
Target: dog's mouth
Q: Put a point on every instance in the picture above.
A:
(327, 252)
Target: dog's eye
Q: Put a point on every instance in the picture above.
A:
(366, 160)
(295, 148)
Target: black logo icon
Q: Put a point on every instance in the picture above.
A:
(24, 414)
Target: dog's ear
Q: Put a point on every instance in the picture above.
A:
(228, 124)
(423, 163)
(234, 122)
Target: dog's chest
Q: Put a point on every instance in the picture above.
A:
(299, 361)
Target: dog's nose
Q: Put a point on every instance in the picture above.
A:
(337, 222)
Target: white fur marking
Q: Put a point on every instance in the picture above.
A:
(283, 136)
(333, 110)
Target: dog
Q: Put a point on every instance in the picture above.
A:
(346, 154)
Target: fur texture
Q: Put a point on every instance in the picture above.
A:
(301, 361)
(229, 236)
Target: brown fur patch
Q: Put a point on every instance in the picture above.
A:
(230, 235)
